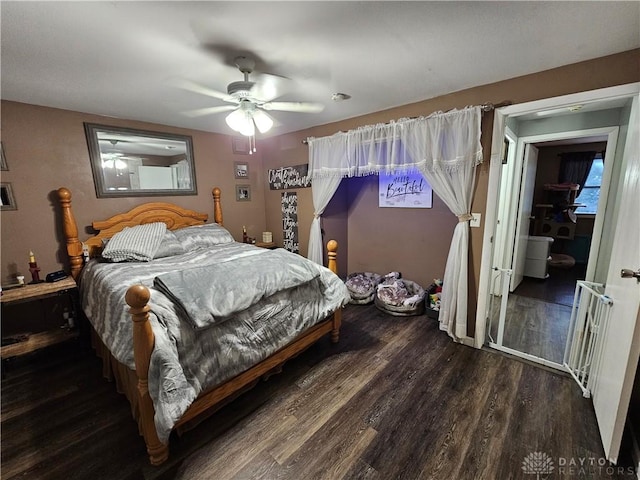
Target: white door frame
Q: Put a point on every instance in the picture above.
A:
(501, 114)
(612, 138)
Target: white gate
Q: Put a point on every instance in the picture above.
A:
(589, 318)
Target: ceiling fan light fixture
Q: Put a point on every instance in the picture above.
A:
(248, 129)
(262, 120)
(246, 118)
(240, 120)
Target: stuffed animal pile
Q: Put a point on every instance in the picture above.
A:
(435, 292)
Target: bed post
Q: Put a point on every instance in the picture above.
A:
(137, 298)
(332, 247)
(217, 209)
(70, 230)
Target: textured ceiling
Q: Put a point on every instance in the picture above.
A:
(125, 59)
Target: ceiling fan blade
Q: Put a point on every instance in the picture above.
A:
(196, 88)
(302, 107)
(269, 86)
(201, 112)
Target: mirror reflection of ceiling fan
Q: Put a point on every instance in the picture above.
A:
(111, 142)
(250, 100)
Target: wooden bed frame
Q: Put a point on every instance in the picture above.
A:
(134, 383)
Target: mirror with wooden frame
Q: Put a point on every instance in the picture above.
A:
(128, 162)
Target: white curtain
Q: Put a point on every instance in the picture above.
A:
(446, 148)
(363, 151)
(455, 150)
(455, 188)
(322, 189)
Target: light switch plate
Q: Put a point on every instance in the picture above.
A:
(475, 221)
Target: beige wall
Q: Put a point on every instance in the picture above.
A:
(46, 149)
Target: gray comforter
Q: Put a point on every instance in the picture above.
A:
(212, 293)
(186, 360)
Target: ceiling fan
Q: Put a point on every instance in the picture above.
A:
(250, 100)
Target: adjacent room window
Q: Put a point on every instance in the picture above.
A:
(591, 191)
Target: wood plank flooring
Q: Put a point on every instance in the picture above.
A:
(533, 326)
(538, 314)
(559, 287)
(395, 399)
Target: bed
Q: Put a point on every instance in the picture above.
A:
(192, 336)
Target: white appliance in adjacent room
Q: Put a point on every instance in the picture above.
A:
(537, 257)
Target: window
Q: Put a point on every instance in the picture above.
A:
(591, 191)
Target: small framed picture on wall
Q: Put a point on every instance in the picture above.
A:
(241, 170)
(243, 193)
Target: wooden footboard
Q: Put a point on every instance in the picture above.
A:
(143, 341)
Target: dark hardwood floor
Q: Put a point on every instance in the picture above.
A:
(559, 288)
(538, 314)
(395, 399)
(533, 326)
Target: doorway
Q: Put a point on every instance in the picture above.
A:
(613, 249)
(544, 233)
(542, 124)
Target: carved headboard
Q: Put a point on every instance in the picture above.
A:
(172, 215)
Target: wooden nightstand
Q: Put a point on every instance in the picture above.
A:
(39, 291)
(269, 245)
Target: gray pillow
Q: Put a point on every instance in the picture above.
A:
(203, 236)
(138, 243)
(170, 246)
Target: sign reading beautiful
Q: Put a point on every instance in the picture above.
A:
(404, 190)
(284, 178)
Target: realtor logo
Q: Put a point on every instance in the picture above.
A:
(537, 463)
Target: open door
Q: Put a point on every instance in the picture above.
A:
(620, 348)
(525, 207)
(503, 252)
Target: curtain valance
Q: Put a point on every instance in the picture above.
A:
(441, 141)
